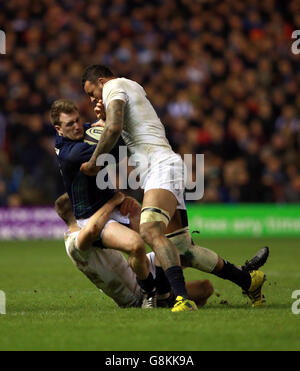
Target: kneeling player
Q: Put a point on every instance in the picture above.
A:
(108, 269)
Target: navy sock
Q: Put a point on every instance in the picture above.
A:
(148, 284)
(232, 273)
(161, 282)
(175, 277)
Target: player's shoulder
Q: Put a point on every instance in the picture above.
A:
(116, 88)
(62, 146)
(78, 149)
(112, 83)
(71, 151)
(120, 83)
(70, 239)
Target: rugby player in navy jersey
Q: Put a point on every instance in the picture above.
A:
(85, 196)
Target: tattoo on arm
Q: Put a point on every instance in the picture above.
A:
(112, 129)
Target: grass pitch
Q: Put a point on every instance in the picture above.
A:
(50, 305)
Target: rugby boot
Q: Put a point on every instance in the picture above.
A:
(184, 305)
(258, 260)
(149, 299)
(255, 290)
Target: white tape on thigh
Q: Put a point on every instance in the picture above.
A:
(151, 214)
(198, 257)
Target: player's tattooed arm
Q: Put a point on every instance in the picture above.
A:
(111, 133)
(112, 129)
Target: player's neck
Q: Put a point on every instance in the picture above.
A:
(73, 228)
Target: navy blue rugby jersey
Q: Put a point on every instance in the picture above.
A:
(85, 196)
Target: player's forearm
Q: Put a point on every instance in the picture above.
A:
(91, 232)
(108, 140)
(98, 220)
(112, 130)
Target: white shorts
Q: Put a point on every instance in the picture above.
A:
(115, 216)
(167, 171)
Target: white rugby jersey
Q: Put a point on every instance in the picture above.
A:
(107, 269)
(142, 126)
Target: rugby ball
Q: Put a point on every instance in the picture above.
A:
(92, 135)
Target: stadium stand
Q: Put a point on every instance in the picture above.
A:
(220, 74)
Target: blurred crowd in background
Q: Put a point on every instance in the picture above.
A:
(220, 74)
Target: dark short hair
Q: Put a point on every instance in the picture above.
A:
(61, 106)
(94, 71)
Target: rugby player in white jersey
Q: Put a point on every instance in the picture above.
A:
(107, 268)
(130, 114)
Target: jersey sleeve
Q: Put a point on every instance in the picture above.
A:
(114, 90)
(80, 153)
(87, 125)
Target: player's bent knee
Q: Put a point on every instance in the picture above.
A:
(191, 255)
(138, 246)
(150, 231)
